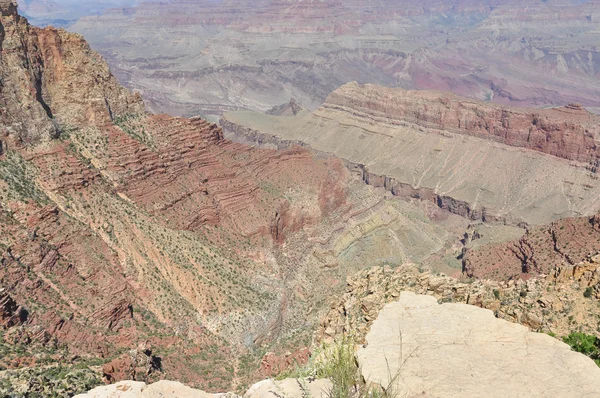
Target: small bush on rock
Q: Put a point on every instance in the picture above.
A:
(586, 344)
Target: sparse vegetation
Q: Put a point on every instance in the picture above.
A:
(131, 125)
(337, 362)
(53, 381)
(20, 175)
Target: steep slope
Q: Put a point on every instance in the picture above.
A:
(52, 78)
(563, 242)
(478, 160)
(154, 247)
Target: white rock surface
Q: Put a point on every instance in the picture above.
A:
(458, 350)
(138, 389)
(288, 388)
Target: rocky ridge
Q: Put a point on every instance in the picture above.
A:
(52, 79)
(558, 302)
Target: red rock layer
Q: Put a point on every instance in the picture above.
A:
(564, 242)
(51, 80)
(569, 132)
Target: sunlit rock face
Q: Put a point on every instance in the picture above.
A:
(419, 347)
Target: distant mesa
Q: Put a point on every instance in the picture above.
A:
(291, 108)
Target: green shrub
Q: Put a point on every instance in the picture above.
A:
(586, 344)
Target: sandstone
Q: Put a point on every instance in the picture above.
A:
(138, 389)
(420, 348)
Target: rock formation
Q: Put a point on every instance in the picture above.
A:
(569, 132)
(138, 389)
(419, 347)
(551, 303)
(478, 160)
(290, 109)
(567, 242)
(51, 80)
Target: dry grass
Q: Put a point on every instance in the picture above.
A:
(337, 362)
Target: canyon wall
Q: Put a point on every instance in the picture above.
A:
(480, 160)
(568, 132)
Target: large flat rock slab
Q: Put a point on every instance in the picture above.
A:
(452, 350)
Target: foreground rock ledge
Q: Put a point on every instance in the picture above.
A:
(452, 350)
(289, 388)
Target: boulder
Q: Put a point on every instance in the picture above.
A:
(419, 347)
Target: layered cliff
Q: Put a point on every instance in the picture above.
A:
(51, 79)
(476, 159)
(568, 132)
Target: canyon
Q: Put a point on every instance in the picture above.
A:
(211, 57)
(62, 13)
(139, 247)
(149, 246)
